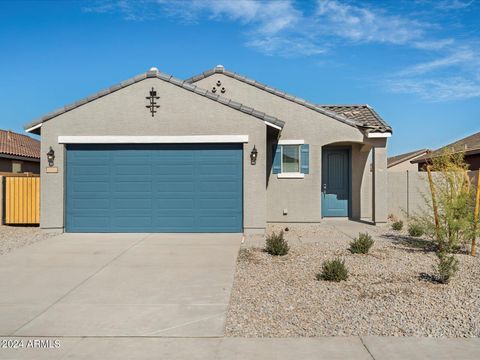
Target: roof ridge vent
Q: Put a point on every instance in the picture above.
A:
(219, 68)
(153, 69)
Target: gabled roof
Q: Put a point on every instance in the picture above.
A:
(469, 145)
(19, 145)
(361, 113)
(154, 73)
(397, 159)
(369, 126)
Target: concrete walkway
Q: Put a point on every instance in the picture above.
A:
(118, 285)
(156, 296)
(328, 348)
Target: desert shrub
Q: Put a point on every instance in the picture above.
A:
(362, 244)
(452, 194)
(333, 270)
(447, 266)
(276, 244)
(397, 225)
(415, 229)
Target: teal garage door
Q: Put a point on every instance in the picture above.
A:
(154, 188)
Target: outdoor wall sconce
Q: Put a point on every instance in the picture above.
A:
(152, 104)
(253, 155)
(219, 83)
(50, 157)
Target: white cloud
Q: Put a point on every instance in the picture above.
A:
(454, 4)
(433, 44)
(436, 90)
(364, 24)
(458, 57)
(286, 47)
(279, 27)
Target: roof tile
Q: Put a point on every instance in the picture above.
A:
(19, 145)
(184, 84)
(362, 116)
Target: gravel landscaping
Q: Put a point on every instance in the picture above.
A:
(13, 237)
(388, 292)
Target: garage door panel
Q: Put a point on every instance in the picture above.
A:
(130, 186)
(91, 186)
(212, 222)
(139, 170)
(89, 203)
(223, 204)
(171, 170)
(91, 169)
(175, 204)
(133, 204)
(132, 222)
(91, 222)
(154, 188)
(174, 223)
(165, 186)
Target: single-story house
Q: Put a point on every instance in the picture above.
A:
(218, 152)
(469, 146)
(403, 162)
(18, 153)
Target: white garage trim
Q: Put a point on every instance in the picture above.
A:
(188, 139)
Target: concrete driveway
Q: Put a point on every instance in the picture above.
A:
(119, 285)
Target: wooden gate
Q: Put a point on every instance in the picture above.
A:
(22, 200)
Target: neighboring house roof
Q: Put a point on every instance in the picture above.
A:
(373, 124)
(397, 159)
(14, 144)
(154, 73)
(469, 145)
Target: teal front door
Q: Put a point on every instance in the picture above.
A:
(335, 182)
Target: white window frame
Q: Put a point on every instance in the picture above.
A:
(17, 162)
(291, 175)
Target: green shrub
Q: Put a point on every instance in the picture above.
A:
(276, 244)
(415, 230)
(362, 244)
(447, 266)
(333, 270)
(397, 225)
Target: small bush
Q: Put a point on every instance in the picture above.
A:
(276, 244)
(447, 266)
(362, 244)
(333, 270)
(415, 230)
(397, 225)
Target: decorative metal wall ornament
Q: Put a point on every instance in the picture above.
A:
(214, 88)
(153, 104)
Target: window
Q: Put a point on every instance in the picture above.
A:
(16, 167)
(290, 158)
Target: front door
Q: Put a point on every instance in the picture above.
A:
(335, 182)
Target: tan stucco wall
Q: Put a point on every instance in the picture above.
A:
(181, 113)
(405, 165)
(302, 197)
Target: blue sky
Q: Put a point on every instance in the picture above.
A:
(416, 62)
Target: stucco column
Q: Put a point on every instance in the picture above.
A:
(379, 183)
